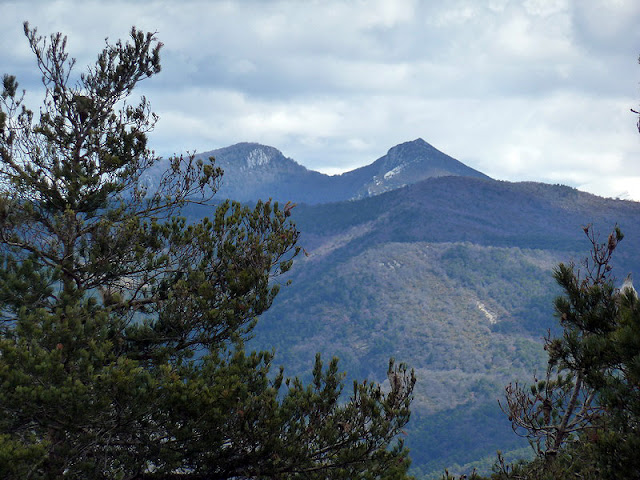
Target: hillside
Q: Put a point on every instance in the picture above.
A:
(451, 275)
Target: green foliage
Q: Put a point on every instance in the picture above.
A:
(123, 326)
(587, 411)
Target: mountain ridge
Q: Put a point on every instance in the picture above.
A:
(254, 171)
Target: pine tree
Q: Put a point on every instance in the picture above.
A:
(122, 325)
(584, 418)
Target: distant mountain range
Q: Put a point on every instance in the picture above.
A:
(254, 171)
(419, 257)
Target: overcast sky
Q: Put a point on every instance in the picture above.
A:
(520, 90)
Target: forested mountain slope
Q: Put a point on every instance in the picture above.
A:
(451, 275)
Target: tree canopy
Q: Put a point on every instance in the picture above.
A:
(584, 417)
(122, 325)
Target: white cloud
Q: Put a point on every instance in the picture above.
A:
(545, 7)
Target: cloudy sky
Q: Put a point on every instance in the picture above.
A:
(522, 90)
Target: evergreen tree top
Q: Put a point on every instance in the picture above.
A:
(122, 324)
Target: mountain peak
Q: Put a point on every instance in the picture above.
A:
(253, 171)
(417, 141)
(408, 163)
(248, 155)
(251, 156)
(417, 147)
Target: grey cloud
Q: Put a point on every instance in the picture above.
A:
(604, 27)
